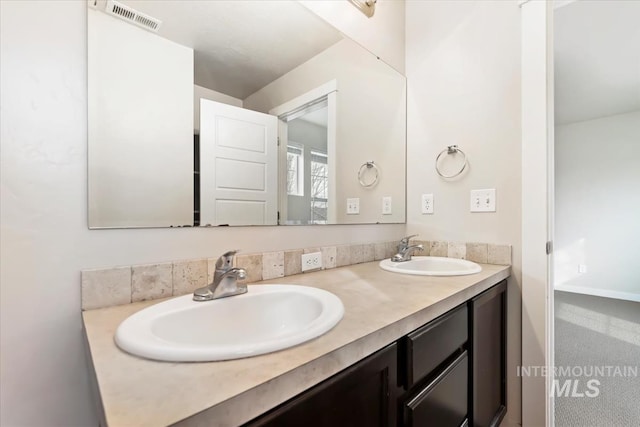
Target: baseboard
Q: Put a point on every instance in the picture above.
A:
(628, 296)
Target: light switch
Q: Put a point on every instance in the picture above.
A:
(483, 200)
(353, 206)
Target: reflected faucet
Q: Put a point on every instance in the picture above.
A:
(405, 251)
(225, 280)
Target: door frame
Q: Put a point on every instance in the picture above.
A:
(537, 210)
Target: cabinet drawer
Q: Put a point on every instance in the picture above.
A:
(429, 346)
(443, 402)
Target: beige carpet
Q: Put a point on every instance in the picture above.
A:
(598, 332)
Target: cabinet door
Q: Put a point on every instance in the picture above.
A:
(488, 354)
(363, 395)
(443, 402)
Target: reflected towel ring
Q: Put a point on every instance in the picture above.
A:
(451, 149)
(366, 166)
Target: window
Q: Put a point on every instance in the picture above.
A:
(319, 187)
(295, 170)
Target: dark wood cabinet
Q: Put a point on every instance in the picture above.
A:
(487, 345)
(443, 401)
(450, 372)
(363, 395)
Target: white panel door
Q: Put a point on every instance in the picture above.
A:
(238, 166)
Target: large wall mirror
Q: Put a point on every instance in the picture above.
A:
(215, 113)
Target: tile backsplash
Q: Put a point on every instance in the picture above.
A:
(122, 285)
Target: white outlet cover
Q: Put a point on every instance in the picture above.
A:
(353, 206)
(426, 204)
(312, 261)
(386, 205)
(483, 200)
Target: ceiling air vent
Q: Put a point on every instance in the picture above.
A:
(131, 15)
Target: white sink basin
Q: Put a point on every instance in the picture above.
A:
(267, 318)
(432, 266)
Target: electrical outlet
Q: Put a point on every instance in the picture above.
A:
(582, 268)
(386, 205)
(483, 200)
(427, 204)
(311, 261)
(353, 206)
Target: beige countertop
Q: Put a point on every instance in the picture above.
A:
(380, 307)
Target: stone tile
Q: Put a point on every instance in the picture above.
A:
(380, 250)
(292, 262)
(189, 276)
(368, 252)
(499, 254)
(106, 287)
(392, 248)
(357, 254)
(329, 255)
(343, 255)
(426, 247)
(310, 250)
(457, 250)
(153, 281)
(477, 252)
(439, 249)
(253, 264)
(272, 265)
(211, 269)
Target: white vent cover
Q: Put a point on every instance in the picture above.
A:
(131, 15)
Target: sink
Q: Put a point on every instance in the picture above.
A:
(265, 319)
(432, 266)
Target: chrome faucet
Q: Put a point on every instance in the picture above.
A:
(405, 251)
(225, 280)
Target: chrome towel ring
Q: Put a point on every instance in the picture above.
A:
(361, 172)
(451, 149)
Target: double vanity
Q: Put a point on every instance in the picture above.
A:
(409, 350)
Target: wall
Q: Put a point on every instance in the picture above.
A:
(463, 72)
(367, 129)
(44, 238)
(383, 33)
(597, 204)
(130, 118)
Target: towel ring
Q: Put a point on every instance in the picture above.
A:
(451, 149)
(366, 166)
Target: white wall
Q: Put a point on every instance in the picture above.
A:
(383, 34)
(149, 111)
(597, 206)
(44, 238)
(371, 103)
(463, 72)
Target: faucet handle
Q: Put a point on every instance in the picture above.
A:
(225, 261)
(405, 240)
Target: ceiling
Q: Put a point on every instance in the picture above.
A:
(597, 59)
(241, 46)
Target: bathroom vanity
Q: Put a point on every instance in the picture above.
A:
(409, 350)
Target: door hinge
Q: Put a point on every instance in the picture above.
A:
(549, 247)
(278, 141)
(278, 217)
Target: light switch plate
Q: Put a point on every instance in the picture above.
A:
(353, 206)
(427, 204)
(386, 205)
(483, 200)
